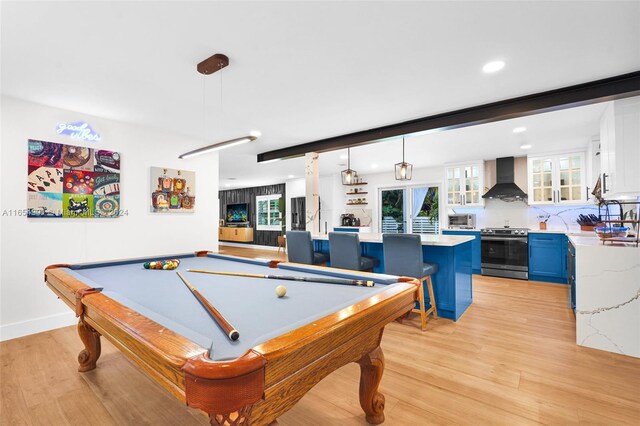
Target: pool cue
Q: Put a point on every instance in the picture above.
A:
(340, 281)
(232, 333)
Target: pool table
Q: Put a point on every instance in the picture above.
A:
(286, 345)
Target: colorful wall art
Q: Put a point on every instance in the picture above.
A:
(172, 191)
(72, 181)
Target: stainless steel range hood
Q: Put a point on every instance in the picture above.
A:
(506, 188)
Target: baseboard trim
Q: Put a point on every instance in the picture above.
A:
(36, 325)
(251, 246)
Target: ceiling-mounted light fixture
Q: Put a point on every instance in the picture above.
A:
(218, 146)
(207, 67)
(404, 170)
(349, 176)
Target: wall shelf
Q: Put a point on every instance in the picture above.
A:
(355, 184)
(357, 204)
(356, 193)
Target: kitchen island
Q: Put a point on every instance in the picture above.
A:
(607, 295)
(452, 284)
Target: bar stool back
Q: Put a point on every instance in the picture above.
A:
(301, 249)
(346, 252)
(403, 256)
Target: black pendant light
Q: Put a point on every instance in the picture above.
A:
(404, 169)
(349, 176)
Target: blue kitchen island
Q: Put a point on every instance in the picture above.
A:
(452, 284)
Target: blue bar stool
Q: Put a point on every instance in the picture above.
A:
(403, 256)
(301, 249)
(345, 251)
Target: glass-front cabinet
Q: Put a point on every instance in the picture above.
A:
(557, 179)
(465, 184)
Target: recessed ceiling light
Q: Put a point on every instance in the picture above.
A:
(493, 66)
(525, 146)
(374, 166)
(519, 129)
(344, 156)
(227, 185)
(255, 133)
(291, 176)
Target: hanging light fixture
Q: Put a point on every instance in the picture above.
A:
(404, 169)
(209, 66)
(349, 176)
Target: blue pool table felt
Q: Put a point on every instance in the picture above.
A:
(249, 304)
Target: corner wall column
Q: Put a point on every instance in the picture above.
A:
(312, 191)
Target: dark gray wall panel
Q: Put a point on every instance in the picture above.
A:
(248, 195)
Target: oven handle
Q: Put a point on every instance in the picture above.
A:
(518, 238)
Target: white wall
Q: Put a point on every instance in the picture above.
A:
(28, 245)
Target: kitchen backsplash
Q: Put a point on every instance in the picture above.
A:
(496, 213)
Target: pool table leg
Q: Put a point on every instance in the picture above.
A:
(372, 401)
(91, 352)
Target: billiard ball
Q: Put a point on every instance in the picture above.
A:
(281, 291)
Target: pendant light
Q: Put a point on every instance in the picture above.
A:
(210, 66)
(349, 176)
(404, 169)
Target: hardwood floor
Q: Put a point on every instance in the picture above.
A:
(511, 359)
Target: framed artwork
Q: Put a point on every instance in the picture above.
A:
(68, 181)
(172, 190)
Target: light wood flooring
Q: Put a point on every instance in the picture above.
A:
(511, 359)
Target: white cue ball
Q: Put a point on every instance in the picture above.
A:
(281, 290)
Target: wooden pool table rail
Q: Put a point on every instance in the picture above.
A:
(268, 379)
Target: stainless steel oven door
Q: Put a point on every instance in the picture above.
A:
(505, 253)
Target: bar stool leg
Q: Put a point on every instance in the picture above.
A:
(422, 311)
(432, 297)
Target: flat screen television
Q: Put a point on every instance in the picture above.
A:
(237, 213)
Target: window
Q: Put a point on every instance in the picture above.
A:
(268, 212)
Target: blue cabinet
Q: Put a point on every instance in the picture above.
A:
(475, 247)
(548, 257)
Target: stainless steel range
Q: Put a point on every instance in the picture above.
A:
(505, 252)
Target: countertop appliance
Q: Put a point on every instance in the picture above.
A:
(462, 221)
(348, 219)
(505, 252)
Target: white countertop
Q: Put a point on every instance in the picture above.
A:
(594, 241)
(427, 239)
(462, 230)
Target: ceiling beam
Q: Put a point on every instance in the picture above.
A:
(607, 89)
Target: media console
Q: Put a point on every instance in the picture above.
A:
(237, 234)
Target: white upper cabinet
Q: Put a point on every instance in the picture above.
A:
(465, 184)
(620, 149)
(557, 179)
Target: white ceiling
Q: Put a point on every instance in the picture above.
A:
(303, 71)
